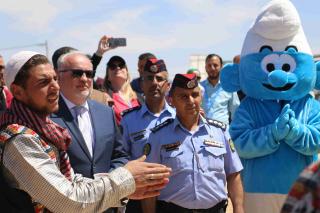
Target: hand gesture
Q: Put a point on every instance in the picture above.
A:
(280, 128)
(295, 129)
(150, 178)
(103, 46)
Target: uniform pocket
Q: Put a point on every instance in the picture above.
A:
(172, 159)
(138, 141)
(212, 158)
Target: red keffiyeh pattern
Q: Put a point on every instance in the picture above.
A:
(49, 131)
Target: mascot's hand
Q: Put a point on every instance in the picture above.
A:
(295, 130)
(281, 127)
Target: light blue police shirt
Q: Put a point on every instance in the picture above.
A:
(200, 162)
(217, 103)
(136, 127)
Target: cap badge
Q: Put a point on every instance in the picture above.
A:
(154, 68)
(191, 84)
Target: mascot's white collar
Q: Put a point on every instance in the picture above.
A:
(277, 25)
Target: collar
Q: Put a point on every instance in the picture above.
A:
(208, 84)
(176, 122)
(144, 109)
(70, 105)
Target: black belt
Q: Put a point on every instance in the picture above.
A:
(164, 207)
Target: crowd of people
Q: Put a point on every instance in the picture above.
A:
(94, 142)
(70, 144)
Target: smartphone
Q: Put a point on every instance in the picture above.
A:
(117, 42)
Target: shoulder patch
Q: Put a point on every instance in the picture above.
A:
(216, 123)
(147, 149)
(127, 111)
(231, 144)
(163, 124)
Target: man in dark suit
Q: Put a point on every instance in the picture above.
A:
(96, 141)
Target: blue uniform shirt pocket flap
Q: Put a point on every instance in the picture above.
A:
(212, 158)
(173, 159)
(171, 153)
(216, 151)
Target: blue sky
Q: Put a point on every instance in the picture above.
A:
(172, 29)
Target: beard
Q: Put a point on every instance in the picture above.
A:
(44, 110)
(213, 77)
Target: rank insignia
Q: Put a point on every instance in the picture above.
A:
(154, 68)
(147, 149)
(213, 143)
(191, 84)
(138, 137)
(171, 146)
(231, 144)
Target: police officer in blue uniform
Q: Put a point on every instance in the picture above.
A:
(200, 153)
(137, 122)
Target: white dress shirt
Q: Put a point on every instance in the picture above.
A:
(84, 122)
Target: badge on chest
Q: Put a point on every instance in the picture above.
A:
(146, 149)
(213, 143)
(171, 146)
(138, 135)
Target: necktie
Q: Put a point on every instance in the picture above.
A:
(83, 125)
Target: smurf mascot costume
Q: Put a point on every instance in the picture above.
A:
(276, 129)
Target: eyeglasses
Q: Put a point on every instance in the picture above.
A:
(115, 66)
(77, 73)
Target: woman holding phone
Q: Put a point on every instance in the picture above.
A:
(117, 85)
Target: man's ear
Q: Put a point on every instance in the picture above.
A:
(229, 77)
(169, 86)
(317, 86)
(17, 91)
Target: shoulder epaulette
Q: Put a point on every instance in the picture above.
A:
(163, 124)
(216, 123)
(127, 111)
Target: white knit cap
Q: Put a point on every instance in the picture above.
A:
(278, 25)
(14, 65)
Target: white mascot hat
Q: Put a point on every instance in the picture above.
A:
(278, 25)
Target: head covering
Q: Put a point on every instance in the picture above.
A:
(14, 65)
(185, 81)
(116, 58)
(192, 70)
(154, 65)
(278, 25)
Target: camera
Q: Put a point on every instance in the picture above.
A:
(117, 42)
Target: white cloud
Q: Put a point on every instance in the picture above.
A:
(194, 6)
(31, 15)
(123, 23)
(213, 23)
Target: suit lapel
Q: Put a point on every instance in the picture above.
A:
(72, 125)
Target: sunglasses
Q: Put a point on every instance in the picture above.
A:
(77, 73)
(115, 66)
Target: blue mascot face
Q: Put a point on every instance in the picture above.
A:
(273, 75)
(285, 75)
